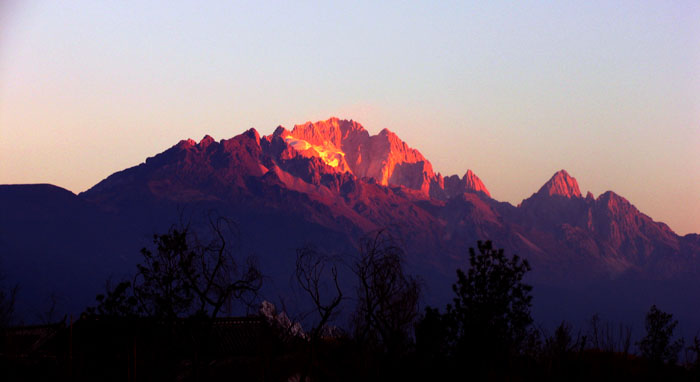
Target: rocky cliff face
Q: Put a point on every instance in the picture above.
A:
(453, 185)
(348, 147)
(561, 184)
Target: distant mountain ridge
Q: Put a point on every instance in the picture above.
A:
(330, 182)
(375, 181)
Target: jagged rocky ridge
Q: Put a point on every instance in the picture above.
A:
(331, 182)
(336, 174)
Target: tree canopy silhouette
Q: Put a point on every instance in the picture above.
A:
(658, 345)
(491, 312)
(117, 301)
(187, 274)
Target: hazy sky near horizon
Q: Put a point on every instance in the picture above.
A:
(608, 90)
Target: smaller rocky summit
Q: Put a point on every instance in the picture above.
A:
(561, 184)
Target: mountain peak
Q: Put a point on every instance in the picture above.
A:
(186, 143)
(333, 131)
(473, 183)
(280, 131)
(561, 184)
(206, 141)
(253, 134)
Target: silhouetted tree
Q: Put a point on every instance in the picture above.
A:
(387, 298)
(162, 284)
(313, 272)
(491, 312)
(432, 336)
(563, 341)
(608, 337)
(189, 274)
(658, 345)
(116, 302)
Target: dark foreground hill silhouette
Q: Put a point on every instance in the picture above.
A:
(328, 183)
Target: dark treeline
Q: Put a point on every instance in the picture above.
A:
(174, 320)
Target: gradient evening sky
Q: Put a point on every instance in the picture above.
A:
(608, 90)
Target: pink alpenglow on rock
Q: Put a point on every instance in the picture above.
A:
(474, 184)
(561, 184)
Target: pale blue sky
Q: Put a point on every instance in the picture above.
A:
(610, 90)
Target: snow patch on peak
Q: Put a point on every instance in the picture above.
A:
(328, 153)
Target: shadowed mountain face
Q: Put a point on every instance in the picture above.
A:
(329, 183)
